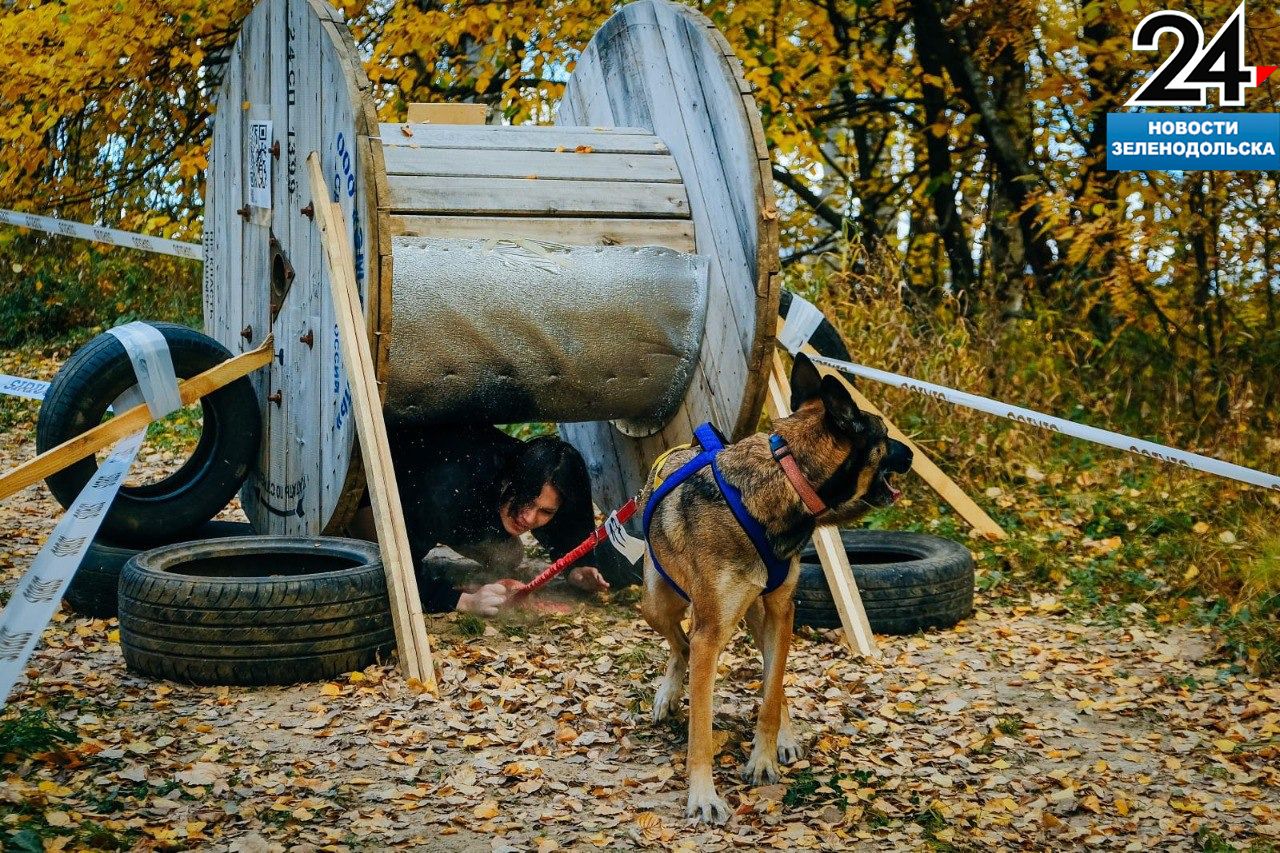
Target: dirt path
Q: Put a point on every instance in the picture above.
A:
(1017, 730)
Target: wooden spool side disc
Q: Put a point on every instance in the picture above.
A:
(665, 67)
(295, 65)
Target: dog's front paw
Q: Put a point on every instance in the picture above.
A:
(789, 749)
(707, 808)
(762, 768)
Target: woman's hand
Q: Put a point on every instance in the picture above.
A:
(588, 579)
(485, 601)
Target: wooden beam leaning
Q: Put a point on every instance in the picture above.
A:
(826, 539)
(946, 487)
(384, 495)
(127, 423)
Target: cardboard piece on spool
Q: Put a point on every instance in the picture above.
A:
(448, 113)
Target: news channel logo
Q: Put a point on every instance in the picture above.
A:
(1183, 141)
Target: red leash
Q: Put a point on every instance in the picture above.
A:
(623, 514)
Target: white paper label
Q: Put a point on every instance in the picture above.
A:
(260, 164)
(625, 544)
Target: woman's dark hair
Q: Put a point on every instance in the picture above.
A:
(542, 460)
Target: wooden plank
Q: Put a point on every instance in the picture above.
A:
(290, 498)
(544, 165)
(339, 462)
(602, 140)
(393, 540)
(928, 470)
(255, 269)
(585, 95)
(826, 539)
(673, 233)
(517, 197)
(644, 86)
(728, 125)
(127, 423)
(448, 113)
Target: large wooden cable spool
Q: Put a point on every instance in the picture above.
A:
(658, 144)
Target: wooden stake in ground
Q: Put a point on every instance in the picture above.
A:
(393, 540)
(127, 423)
(831, 553)
(946, 487)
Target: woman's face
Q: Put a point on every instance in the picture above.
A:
(518, 521)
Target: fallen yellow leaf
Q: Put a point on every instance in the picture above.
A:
(486, 810)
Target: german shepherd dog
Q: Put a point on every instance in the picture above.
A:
(848, 458)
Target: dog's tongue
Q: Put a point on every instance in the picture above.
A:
(894, 494)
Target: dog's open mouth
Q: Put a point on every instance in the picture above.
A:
(894, 494)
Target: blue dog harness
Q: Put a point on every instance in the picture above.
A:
(712, 442)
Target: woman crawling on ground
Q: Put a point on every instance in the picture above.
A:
(478, 490)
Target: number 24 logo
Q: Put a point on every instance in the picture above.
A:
(1185, 77)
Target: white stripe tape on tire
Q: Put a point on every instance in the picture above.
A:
(152, 365)
(1149, 449)
(803, 319)
(40, 591)
(101, 234)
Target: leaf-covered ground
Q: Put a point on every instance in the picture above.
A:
(1024, 727)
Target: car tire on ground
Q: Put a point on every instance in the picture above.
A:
(255, 610)
(170, 509)
(908, 582)
(93, 589)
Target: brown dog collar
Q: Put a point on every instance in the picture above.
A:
(787, 461)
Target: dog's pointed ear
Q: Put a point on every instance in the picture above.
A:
(840, 407)
(806, 382)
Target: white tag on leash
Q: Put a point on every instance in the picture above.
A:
(40, 591)
(623, 542)
(803, 319)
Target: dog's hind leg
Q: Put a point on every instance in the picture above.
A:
(776, 612)
(663, 610)
(789, 749)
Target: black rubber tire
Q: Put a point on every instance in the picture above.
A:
(169, 510)
(825, 339)
(93, 589)
(201, 613)
(929, 586)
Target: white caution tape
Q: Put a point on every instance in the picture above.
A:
(16, 386)
(152, 365)
(41, 589)
(803, 319)
(1149, 449)
(100, 234)
(631, 548)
